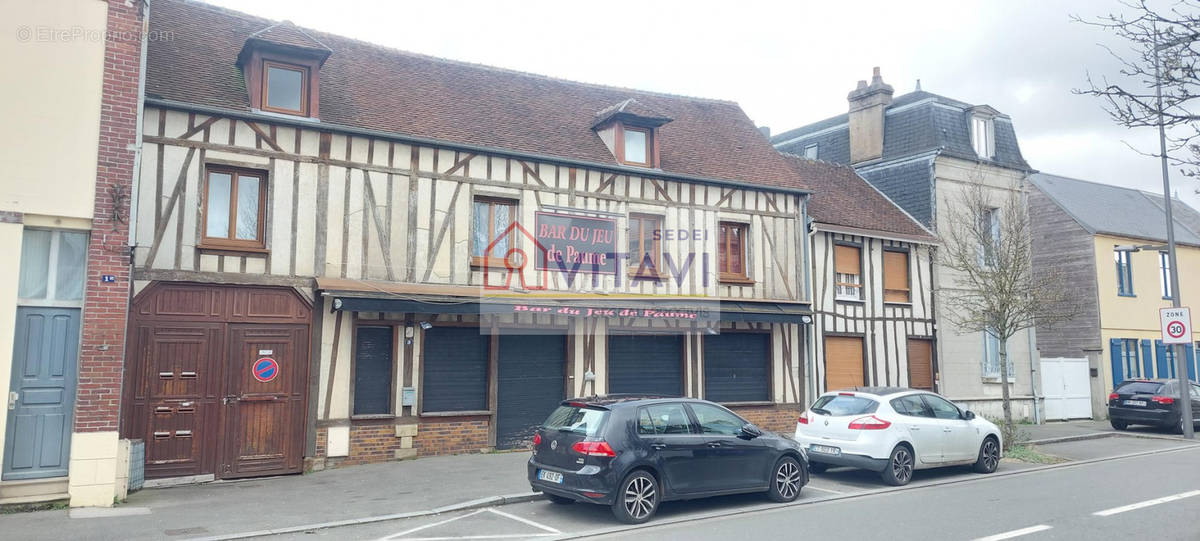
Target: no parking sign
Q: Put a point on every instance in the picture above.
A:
(1176, 325)
(265, 369)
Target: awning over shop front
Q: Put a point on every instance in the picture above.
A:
(361, 296)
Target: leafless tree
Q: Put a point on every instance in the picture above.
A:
(994, 287)
(1167, 32)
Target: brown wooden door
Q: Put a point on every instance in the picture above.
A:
(920, 364)
(264, 402)
(181, 381)
(843, 362)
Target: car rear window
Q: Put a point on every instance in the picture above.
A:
(580, 420)
(838, 405)
(1139, 387)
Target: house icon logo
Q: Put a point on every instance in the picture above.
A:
(516, 261)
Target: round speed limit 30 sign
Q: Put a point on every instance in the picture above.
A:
(1176, 325)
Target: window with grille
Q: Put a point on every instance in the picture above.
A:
(847, 263)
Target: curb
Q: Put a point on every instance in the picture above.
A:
(471, 504)
(1100, 435)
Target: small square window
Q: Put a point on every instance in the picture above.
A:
(810, 151)
(731, 252)
(234, 209)
(637, 146)
(490, 235)
(285, 88)
(645, 249)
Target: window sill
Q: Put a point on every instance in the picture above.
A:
(479, 262)
(996, 380)
(371, 416)
(904, 304)
(232, 250)
(468, 413)
(1130, 295)
(736, 281)
(849, 300)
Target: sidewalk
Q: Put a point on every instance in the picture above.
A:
(1060, 430)
(229, 507)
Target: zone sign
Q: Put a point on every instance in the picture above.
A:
(1176, 325)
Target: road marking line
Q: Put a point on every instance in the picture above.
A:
(1015, 533)
(823, 489)
(497, 536)
(524, 520)
(435, 524)
(1146, 503)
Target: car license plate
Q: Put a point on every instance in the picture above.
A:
(1141, 403)
(825, 449)
(552, 476)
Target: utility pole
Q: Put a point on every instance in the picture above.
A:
(1180, 353)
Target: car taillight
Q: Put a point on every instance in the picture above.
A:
(593, 448)
(537, 439)
(869, 422)
(803, 418)
(845, 394)
(1162, 400)
(1113, 396)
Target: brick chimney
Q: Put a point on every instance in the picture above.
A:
(867, 103)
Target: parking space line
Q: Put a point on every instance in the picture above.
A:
(524, 520)
(496, 536)
(1146, 503)
(823, 489)
(1015, 533)
(433, 525)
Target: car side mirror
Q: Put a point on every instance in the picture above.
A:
(968, 415)
(749, 431)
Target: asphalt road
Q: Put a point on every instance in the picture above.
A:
(1059, 503)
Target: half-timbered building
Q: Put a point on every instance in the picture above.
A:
(347, 253)
(873, 296)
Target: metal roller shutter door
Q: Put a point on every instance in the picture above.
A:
(454, 369)
(645, 364)
(530, 385)
(737, 367)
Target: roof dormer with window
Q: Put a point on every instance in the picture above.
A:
(281, 65)
(983, 131)
(630, 131)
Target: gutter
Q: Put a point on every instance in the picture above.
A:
(316, 124)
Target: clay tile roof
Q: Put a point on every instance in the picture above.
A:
(842, 198)
(632, 108)
(367, 86)
(287, 33)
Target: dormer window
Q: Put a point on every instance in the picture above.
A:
(636, 146)
(285, 88)
(981, 136)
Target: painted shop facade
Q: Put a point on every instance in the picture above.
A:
(349, 254)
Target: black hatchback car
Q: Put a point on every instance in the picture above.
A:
(1154, 402)
(633, 453)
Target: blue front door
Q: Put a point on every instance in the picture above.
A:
(37, 437)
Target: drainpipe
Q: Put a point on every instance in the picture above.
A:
(137, 145)
(810, 367)
(1033, 380)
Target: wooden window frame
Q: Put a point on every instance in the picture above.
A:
(742, 278)
(656, 251)
(907, 274)
(861, 285)
(232, 243)
(266, 83)
(492, 202)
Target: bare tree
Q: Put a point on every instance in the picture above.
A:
(1168, 35)
(994, 287)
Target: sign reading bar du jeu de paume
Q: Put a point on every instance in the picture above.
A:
(576, 243)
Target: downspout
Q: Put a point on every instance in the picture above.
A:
(1033, 383)
(810, 366)
(137, 145)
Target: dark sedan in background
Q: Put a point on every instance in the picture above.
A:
(1155, 402)
(633, 453)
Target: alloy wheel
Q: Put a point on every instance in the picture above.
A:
(902, 465)
(787, 479)
(991, 454)
(640, 497)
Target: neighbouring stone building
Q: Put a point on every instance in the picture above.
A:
(923, 150)
(67, 161)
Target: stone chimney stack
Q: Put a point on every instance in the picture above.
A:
(867, 103)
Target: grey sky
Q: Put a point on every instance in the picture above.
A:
(790, 63)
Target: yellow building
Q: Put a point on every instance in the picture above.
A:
(67, 156)
(1078, 226)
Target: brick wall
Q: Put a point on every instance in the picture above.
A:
(102, 345)
(776, 418)
(451, 436)
(371, 443)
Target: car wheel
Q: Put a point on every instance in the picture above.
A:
(559, 500)
(899, 468)
(786, 481)
(989, 456)
(1119, 425)
(817, 467)
(637, 498)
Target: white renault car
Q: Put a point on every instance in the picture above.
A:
(894, 431)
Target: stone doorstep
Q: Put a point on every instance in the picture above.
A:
(36, 499)
(33, 488)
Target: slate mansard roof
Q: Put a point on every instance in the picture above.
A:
(914, 123)
(842, 198)
(367, 86)
(1114, 210)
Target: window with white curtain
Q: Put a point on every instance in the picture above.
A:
(991, 357)
(52, 266)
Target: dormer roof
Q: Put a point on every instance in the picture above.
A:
(287, 37)
(633, 112)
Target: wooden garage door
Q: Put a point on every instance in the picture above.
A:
(645, 364)
(843, 362)
(920, 364)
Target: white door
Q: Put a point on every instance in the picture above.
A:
(1067, 389)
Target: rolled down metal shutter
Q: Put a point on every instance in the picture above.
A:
(645, 364)
(454, 369)
(737, 367)
(530, 385)
(843, 363)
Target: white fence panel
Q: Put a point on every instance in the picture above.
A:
(1066, 388)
